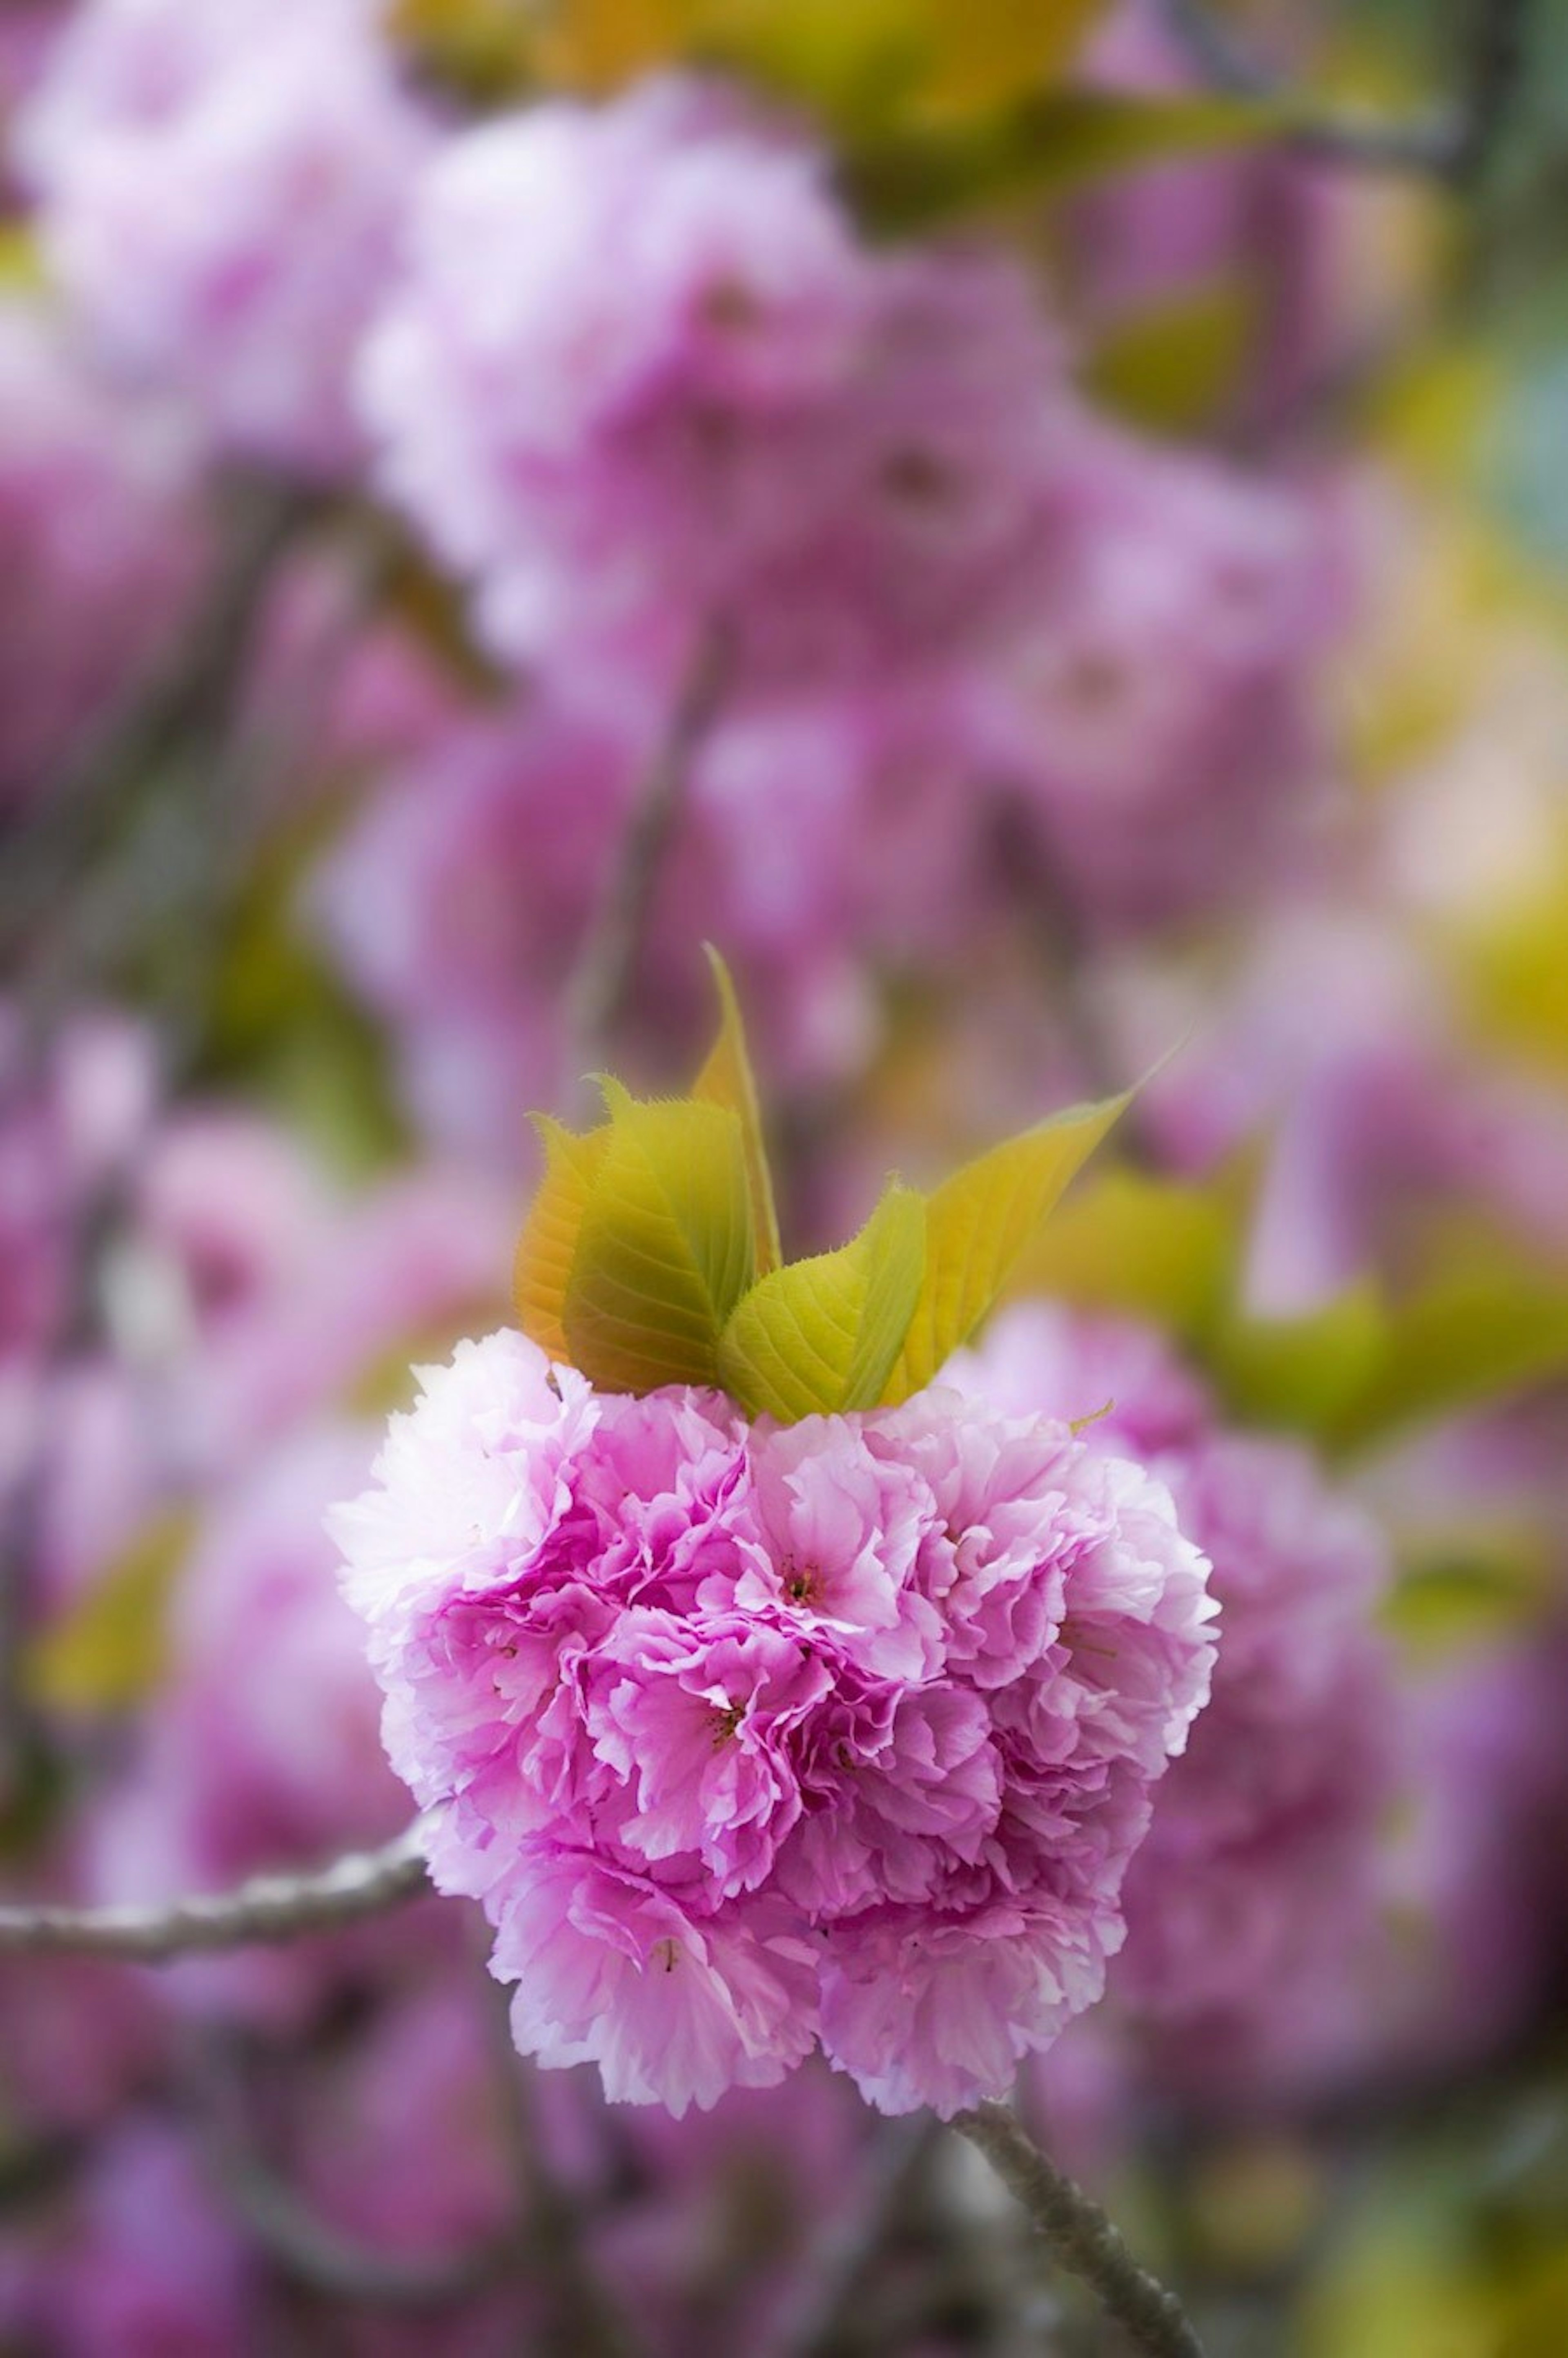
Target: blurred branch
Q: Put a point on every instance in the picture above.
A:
(583, 2321)
(188, 695)
(598, 989)
(1455, 144)
(267, 1908)
(1080, 2237)
(832, 2274)
(318, 2257)
(322, 2261)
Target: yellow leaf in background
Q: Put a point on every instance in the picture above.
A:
(979, 1223)
(913, 177)
(1170, 367)
(821, 1336)
(1469, 1336)
(1148, 1248)
(727, 1079)
(547, 1249)
(1303, 1372)
(1469, 1585)
(598, 44)
(1512, 960)
(109, 1652)
(979, 52)
(482, 49)
(21, 264)
(851, 63)
(663, 1247)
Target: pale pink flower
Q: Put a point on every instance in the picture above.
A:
(640, 377)
(723, 1723)
(219, 192)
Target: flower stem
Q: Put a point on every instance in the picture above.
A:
(1080, 2237)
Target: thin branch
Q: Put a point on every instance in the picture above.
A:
(1080, 2237)
(184, 696)
(1455, 144)
(319, 2259)
(597, 991)
(267, 1908)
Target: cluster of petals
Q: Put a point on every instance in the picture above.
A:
(749, 1736)
(219, 192)
(640, 373)
(1255, 1897)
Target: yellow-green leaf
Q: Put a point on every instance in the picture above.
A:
(987, 50)
(822, 1334)
(596, 44)
(1470, 1335)
(21, 265)
(109, 1652)
(1171, 365)
(1147, 1247)
(663, 1246)
(727, 1079)
(547, 1249)
(916, 179)
(1469, 1586)
(1301, 1372)
(978, 1222)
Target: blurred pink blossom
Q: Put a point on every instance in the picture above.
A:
(219, 194)
(1259, 1883)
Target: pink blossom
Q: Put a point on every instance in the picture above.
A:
(140, 2258)
(1337, 1039)
(1166, 696)
(720, 1721)
(1258, 1887)
(219, 194)
(640, 375)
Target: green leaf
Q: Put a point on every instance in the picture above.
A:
(822, 1334)
(1145, 1247)
(727, 1079)
(1303, 1372)
(1470, 1335)
(663, 1246)
(109, 1653)
(1042, 145)
(547, 1249)
(1170, 366)
(1469, 1588)
(977, 1224)
(21, 264)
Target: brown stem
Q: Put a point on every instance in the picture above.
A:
(1080, 2237)
(267, 1908)
(598, 990)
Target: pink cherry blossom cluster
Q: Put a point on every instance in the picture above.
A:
(749, 1736)
(254, 157)
(640, 375)
(1253, 1906)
